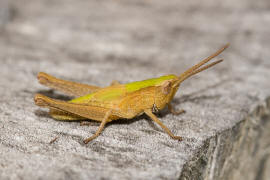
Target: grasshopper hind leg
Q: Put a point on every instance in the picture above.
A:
(76, 110)
(64, 115)
(68, 87)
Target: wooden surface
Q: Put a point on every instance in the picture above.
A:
(96, 42)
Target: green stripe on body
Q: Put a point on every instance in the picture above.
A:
(111, 94)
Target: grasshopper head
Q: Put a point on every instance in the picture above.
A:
(165, 92)
(167, 88)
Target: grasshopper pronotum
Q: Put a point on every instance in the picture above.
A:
(117, 101)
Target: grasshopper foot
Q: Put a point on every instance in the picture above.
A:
(177, 138)
(174, 112)
(86, 141)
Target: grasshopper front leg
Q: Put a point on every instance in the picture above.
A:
(167, 130)
(173, 111)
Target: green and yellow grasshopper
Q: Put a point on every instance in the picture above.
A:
(117, 101)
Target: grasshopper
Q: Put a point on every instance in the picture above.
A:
(117, 101)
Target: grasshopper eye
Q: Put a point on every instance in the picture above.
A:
(166, 87)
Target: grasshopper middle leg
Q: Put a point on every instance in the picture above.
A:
(101, 127)
(115, 82)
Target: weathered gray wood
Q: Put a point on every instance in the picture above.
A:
(226, 124)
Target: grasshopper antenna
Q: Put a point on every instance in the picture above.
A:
(196, 68)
